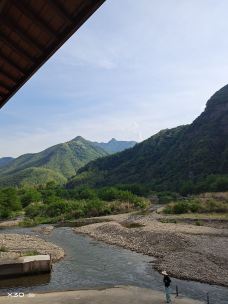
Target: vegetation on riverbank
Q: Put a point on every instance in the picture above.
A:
(207, 203)
(52, 204)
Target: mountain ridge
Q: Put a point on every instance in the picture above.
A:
(170, 157)
(59, 162)
(114, 146)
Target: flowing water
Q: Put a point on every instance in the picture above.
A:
(90, 264)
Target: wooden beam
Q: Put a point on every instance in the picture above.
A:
(73, 22)
(15, 47)
(11, 62)
(13, 26)
(60, 10)
(26, 10)
(2, 96)
(4, 86)
(10, 77)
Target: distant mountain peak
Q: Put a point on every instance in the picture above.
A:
(78, 138)
(114, 145)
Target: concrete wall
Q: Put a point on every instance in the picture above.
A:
(25, 266)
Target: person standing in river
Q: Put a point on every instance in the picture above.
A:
(167, 282)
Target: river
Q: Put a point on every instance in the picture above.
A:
(89, 263)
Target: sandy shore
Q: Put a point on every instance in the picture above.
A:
(186, 251)
(117, 295)
(16, 244)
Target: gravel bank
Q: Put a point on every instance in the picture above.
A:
(185, 251)
(16, 244)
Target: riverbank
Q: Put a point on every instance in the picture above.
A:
(120, 294)
(10, 223)
(186, 251)
(14, 245)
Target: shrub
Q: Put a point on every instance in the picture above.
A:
(86, 193)
(57, 208)
(9, 199)
(35, 209)
(4, 213)
(95, 207)
(108, 194)
(3, 248)
(180, 207)
(214, 206)
(168, 209)
(30, 196)
(196, 205)
(198, 223)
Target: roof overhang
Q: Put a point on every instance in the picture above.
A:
(31, 32)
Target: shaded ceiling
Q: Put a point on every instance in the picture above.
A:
(31, 31)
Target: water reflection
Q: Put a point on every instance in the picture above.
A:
(20, 283)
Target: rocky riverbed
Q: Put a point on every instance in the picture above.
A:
(189, 252)
(14, 245)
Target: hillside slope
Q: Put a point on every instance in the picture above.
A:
(55, 163)
(172, 156)
(5, 161)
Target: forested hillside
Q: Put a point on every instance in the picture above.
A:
(56, 163)
(5, 161)
(173, 158)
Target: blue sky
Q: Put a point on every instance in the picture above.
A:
(134, 68)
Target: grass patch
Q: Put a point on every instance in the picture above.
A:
(196, 205)
(30, 253)
(200, 216)
(199, 223)
(3, 248)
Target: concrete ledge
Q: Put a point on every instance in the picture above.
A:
(26, 265)
(116, 295)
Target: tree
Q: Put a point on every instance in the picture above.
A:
(30, 196)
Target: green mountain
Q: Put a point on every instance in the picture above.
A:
(5, 161)
(171, 157)
(56, 163)
(31, 176)
(114, 146)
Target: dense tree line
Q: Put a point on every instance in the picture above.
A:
(54, 203)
